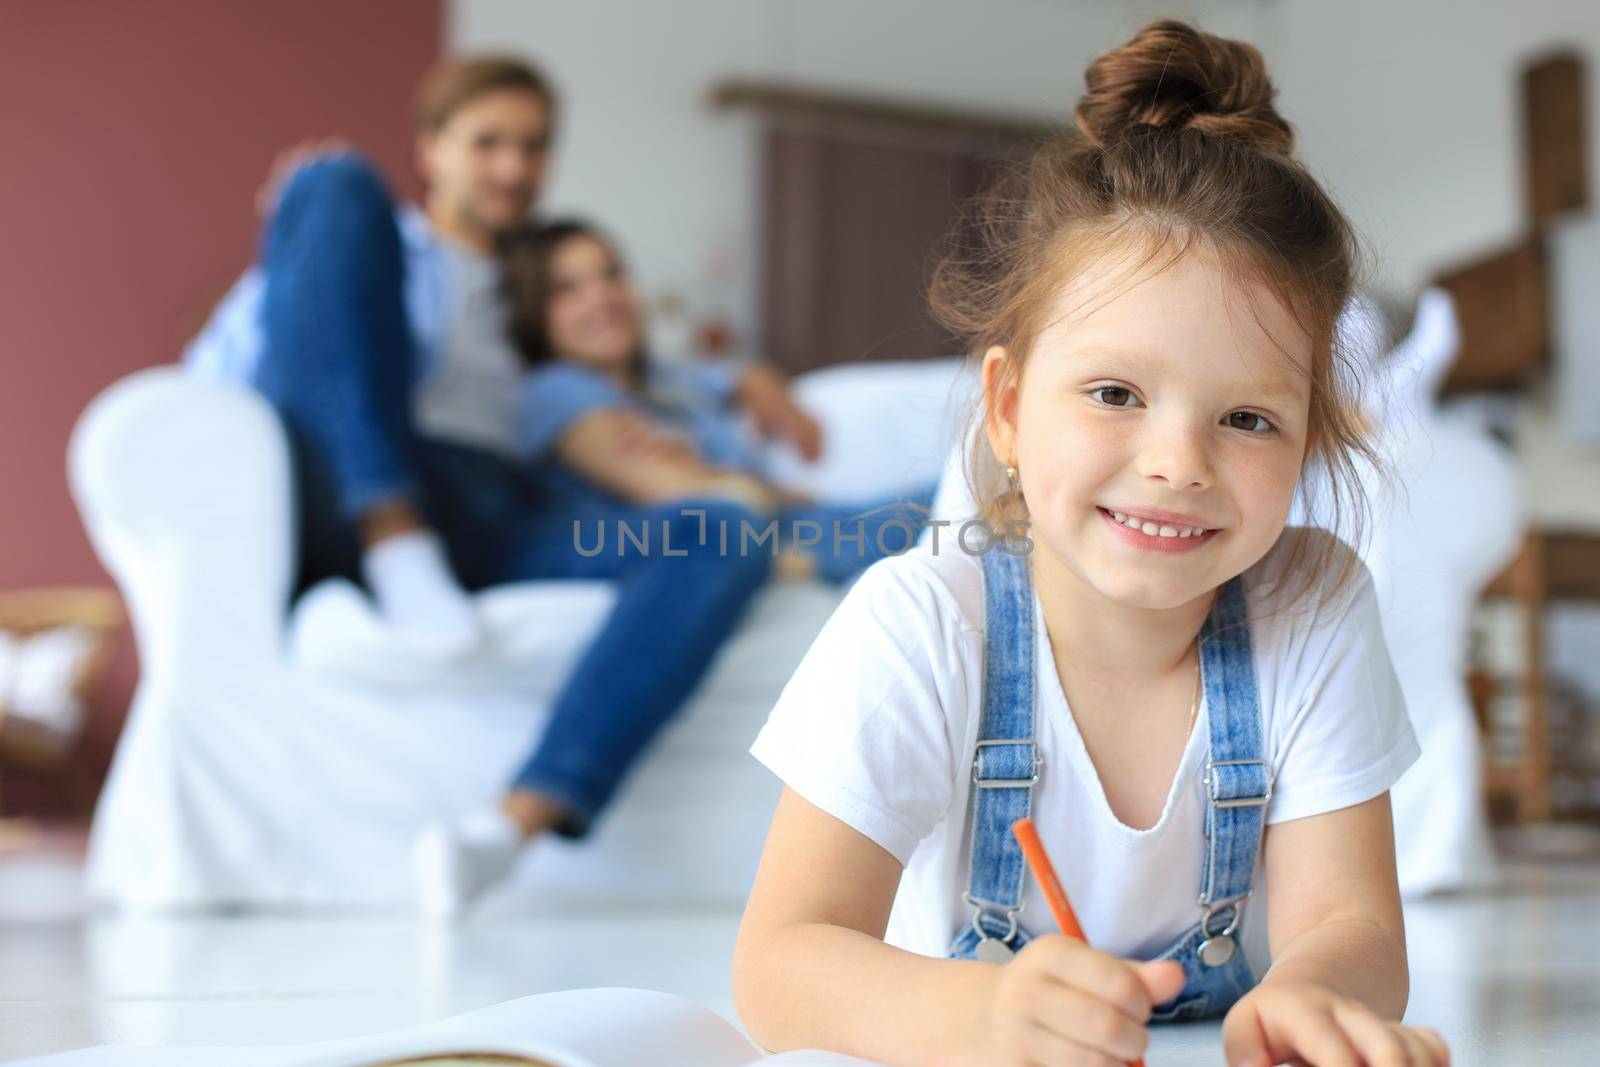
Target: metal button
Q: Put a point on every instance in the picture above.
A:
(1217, 950)
(993, 950)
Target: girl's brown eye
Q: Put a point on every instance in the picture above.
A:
(1260, 425)
(1113, 396)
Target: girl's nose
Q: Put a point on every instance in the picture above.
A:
(1178, 455)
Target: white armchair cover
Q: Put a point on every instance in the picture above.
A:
(286, 759)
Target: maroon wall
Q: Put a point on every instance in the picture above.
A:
(132, 140)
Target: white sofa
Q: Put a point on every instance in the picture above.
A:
(284, 758)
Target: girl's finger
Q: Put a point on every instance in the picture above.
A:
(1417, 1052)
(1315, 1038)
(1243, 1042)
(1381, 1043)
(1162, 979)
(1087, 1020)
(1046, 1048)
(1109, 979)
(1428, 1047)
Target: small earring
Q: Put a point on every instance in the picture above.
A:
(1011, 477)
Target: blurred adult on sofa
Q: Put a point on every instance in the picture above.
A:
(577, 321)
(378, 332)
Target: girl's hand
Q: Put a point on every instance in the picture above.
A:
(1301, 1023)
(1060, 1003)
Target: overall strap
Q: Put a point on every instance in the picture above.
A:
(1237, 781)
(1006, 763)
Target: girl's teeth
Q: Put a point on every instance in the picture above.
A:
(1152, 530)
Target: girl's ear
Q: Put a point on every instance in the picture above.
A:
(1000, 383)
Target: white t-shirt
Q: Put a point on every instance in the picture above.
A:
(878, 726)
(470, 372)
(471, 393)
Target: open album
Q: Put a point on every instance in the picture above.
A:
(574, 1028)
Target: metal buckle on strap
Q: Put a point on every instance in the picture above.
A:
(980, 906)
(1005, 783)
(1235, 802)
(1211, 910)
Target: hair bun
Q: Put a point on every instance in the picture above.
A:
(1171, 75)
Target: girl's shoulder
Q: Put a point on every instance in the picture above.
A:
(1311, 592)
(1304, 564)
(1335, 720)
(940, 583)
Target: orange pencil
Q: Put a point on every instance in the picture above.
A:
(1045, 874)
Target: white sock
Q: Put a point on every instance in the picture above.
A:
(418, 594)
(453, 864)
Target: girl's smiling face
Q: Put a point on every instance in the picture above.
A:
(1171, 403)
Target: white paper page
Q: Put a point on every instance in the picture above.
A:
(573, 1028)
(813, 1058)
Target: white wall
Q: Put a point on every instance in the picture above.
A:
(676, 181)
(1407, 109)
(1411, 113)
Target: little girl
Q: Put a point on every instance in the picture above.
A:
(576, 319)
(1193, 701)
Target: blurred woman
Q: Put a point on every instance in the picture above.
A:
(577, 321)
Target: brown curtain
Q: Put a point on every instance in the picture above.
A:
(851, 227)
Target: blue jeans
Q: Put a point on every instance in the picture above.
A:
(844, 539)
(339, 366)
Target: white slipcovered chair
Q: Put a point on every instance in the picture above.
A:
(1457, 520)
(284, 755)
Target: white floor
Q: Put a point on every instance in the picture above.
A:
(1511, 978)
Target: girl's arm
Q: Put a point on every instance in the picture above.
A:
(811, 970)
(632, 456)
(1338, 982)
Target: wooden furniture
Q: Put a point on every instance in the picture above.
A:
(1554, 565)
(1502, 301)
(1503, 296)
(27, 745)
(1559, 561)
(1555, 125)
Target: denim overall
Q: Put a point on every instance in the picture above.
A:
(1006, 766)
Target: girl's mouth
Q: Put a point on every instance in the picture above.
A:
(1163, 539)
